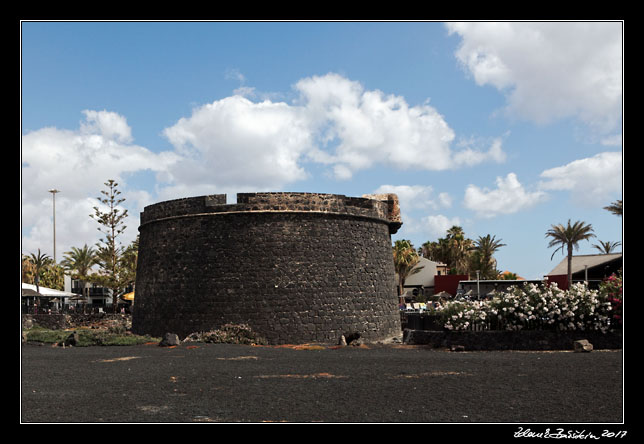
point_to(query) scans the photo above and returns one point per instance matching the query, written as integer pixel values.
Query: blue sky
(502, 128)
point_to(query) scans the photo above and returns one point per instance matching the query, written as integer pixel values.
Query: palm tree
(484, 251)
(28, 270)
(456, 232)
(455, 250)
(436, 251)
(405, 259)
(460, 249)
(606, 247)
(80, 261)
(615, 208)
(426, 250)
(53, 276)
(569, 237)
(128, 261)
(40, 261)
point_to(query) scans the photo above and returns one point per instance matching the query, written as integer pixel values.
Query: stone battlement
(382, 207)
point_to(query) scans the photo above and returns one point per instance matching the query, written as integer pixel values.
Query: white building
(422, 281)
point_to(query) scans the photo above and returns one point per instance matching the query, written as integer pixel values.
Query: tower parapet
(375, 206)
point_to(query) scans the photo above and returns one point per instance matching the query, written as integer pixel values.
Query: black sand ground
(392, 384)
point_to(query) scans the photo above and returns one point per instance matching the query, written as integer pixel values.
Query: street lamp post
(53, 192)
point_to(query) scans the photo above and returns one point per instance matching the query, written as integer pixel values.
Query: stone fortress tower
(294, 267)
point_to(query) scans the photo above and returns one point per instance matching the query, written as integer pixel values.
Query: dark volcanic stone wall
(295, 267)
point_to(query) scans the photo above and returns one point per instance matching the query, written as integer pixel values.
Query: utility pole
(53, 192)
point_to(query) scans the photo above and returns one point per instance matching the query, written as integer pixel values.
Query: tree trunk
(569, 265)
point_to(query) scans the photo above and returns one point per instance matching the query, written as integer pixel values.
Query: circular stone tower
(294, 267)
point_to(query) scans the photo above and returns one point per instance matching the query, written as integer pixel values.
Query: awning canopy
(128, 296)
(30, 292)
(44, 292)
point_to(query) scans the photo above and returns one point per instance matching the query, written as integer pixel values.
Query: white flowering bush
(461, 315)
(530, 307)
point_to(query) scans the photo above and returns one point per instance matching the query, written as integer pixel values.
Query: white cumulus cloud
(591, 180)
(549, 70)
(334, 121)
(234, 142)
(437, 225)
(107, 124)
(78, 163)
(508, 197)
(357, 129)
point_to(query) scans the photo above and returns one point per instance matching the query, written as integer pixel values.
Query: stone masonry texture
(294, 267)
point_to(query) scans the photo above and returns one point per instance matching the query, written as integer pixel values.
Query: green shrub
(87, 338)
(228, 334)
(44, 335)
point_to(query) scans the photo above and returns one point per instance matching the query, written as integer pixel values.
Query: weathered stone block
(169, 340)
(582, 346)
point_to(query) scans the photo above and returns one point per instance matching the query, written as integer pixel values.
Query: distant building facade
(422, 282)
(592, 268)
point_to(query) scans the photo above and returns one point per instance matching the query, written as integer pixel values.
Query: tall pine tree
(109, 249)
